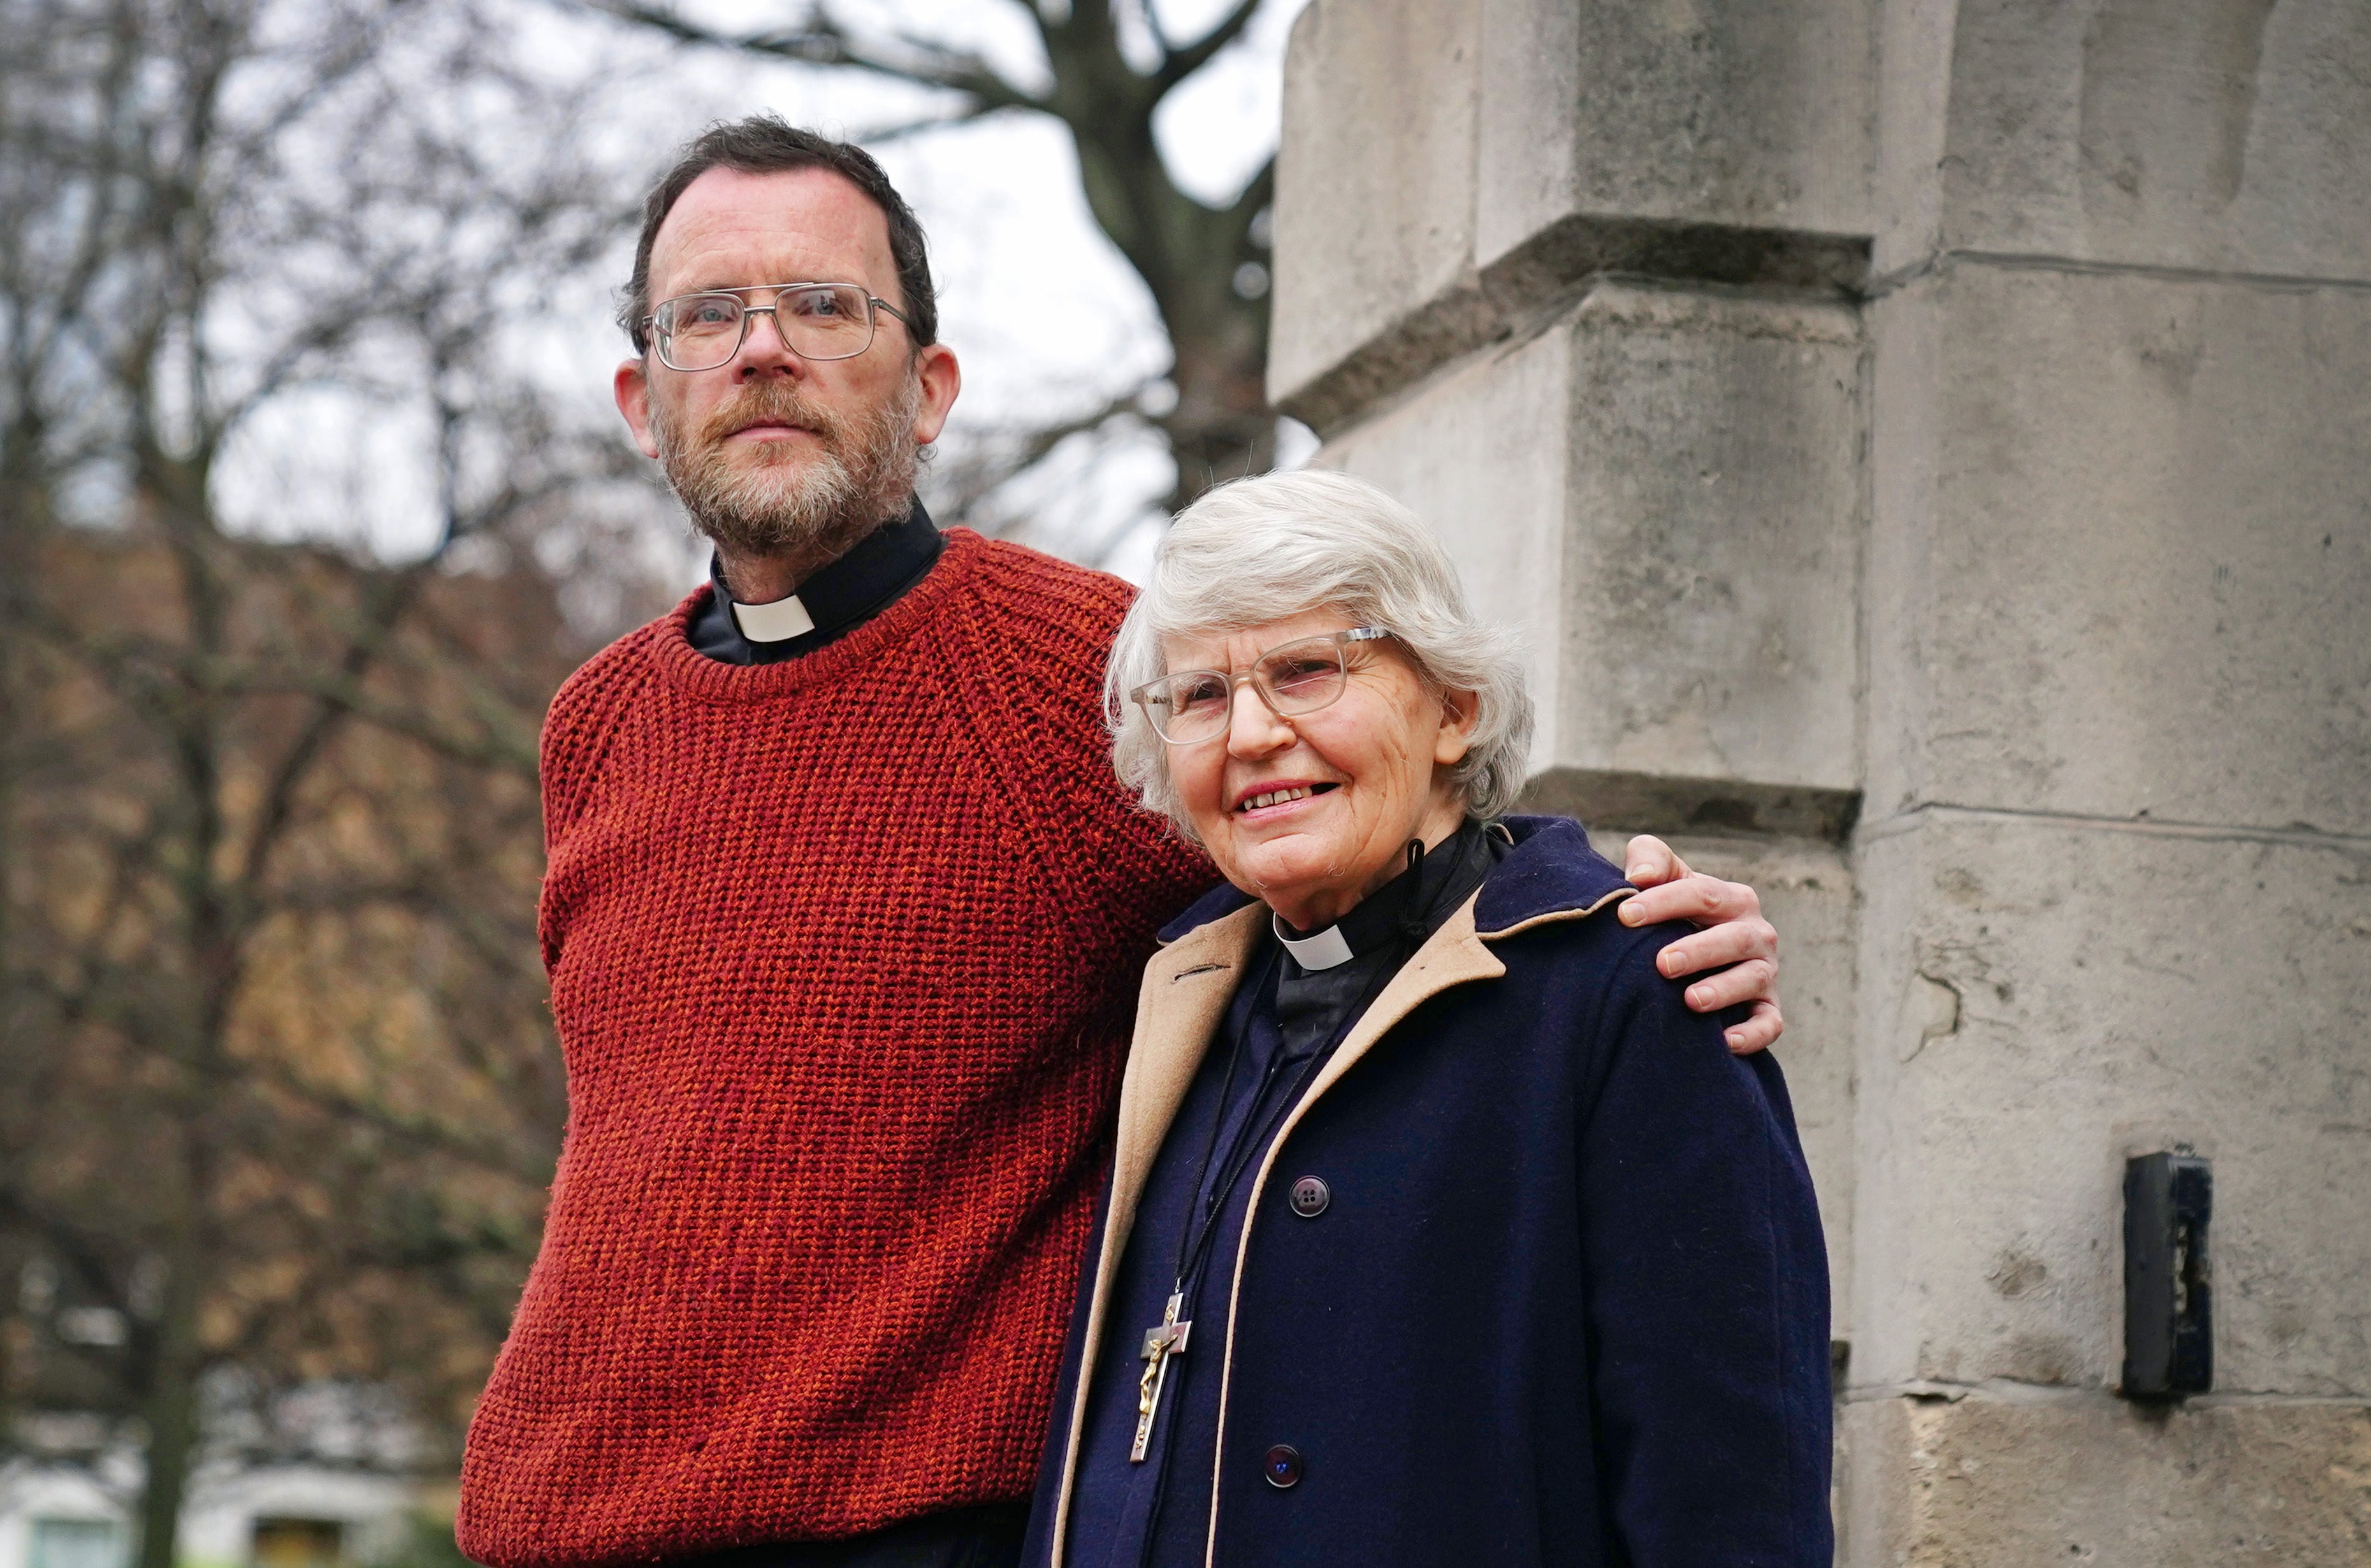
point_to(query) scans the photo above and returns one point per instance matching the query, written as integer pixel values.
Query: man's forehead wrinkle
(734, 257)
(802, 227)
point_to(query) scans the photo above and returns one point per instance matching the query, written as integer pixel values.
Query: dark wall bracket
(2169, 1282)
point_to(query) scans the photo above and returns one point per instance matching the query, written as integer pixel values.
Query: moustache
(772, 402)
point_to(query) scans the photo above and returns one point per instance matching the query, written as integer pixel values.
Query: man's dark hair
(764, 144)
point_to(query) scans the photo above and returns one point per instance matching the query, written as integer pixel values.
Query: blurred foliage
(427, 1542)
(278, 1093)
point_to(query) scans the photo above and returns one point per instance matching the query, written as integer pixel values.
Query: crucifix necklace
(1159, 1344)
(1167, 1338)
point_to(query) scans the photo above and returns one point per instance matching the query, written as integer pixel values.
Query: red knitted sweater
(843, 952)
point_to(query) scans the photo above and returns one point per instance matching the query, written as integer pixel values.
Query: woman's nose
(1254, 730)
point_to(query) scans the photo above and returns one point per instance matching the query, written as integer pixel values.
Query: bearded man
(845, 916)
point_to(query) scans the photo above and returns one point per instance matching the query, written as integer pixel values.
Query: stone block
(1450, 170)
(2041, 1000)
(1713, 546)
(2219, 134)
(1752, 115)
(1374, 202)
(1482, 455)
(2122, 547)
(1663, 490)
(1978, 1483)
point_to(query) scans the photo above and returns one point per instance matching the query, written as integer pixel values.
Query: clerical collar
(1409, 896)
(874, 574)
(1323, 951)
(776, 623)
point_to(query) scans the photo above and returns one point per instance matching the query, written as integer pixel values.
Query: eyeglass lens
(1299, 678)
(700, 332)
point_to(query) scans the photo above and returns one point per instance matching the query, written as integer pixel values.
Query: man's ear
(632, 385)
(1460, 712)
(941, 378)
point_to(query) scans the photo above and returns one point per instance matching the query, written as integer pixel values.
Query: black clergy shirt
(1283, 1022)
(872, 576)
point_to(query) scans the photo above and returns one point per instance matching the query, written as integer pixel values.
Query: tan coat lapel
(1185, 997)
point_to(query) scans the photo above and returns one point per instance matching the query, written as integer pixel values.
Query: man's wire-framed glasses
(815, 320)
(1189, 706)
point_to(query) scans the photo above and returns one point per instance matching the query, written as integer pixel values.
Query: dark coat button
(1281, 1465)
(1309, 1196)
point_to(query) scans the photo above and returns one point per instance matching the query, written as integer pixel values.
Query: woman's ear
(1460, 711)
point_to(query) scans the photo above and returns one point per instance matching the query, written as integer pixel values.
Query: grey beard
(815, 502)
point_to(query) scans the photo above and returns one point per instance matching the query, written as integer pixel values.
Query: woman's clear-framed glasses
(1194, 705)
(815, 320)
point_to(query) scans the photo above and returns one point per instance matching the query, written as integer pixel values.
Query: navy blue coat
(1569, 1301)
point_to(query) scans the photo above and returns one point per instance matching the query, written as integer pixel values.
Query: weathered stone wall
(1928, 445)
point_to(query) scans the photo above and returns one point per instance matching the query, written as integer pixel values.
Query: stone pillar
(1928, 446)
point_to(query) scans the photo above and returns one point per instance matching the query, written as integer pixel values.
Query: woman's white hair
(1278, 545)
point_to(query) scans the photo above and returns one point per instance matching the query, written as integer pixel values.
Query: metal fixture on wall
(2168, 1283)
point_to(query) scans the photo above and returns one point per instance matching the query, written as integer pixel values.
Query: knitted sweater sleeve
(1046, 634)
(578, 729)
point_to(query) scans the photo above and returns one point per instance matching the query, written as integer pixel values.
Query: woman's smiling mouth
(1260, 797)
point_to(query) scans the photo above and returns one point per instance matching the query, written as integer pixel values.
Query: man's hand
(1733, 934)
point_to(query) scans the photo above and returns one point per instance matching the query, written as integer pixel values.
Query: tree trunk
(1223, 427)
(170, 1408)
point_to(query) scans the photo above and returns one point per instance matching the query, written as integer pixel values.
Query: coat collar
(1551, 871)
(1216, 904)
(1187, 988)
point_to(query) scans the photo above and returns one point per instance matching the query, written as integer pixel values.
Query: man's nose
(764, 351)
(1254, 730)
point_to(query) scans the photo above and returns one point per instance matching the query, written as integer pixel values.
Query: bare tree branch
(979, 109)
(345, 694)
(821, 40)
(1008, 454)
(1184, 61)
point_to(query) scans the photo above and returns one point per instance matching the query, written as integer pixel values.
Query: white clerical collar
(1323, 951)
(776, 623)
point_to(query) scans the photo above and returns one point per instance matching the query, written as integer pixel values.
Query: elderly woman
(1440, 1230)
